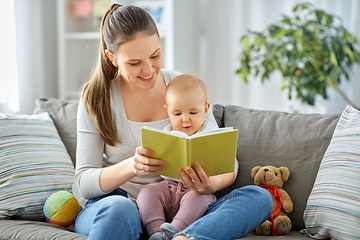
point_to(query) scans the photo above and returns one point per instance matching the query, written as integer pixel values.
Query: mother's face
(140, 60)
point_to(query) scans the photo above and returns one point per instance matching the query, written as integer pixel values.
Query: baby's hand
(199, 183)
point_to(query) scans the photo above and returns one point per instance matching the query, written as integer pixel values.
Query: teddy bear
(272, 179)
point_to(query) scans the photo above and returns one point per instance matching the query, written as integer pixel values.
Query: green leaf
(329, 20)
(333, 59)
(243, 75)
(286, 20)
(296, 7)
(350, 53)
(320, 14)
(245, 42)
(257, 41)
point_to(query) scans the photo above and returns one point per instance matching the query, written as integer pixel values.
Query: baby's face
(186, 111)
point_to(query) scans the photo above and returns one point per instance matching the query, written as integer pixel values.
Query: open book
(215, 150)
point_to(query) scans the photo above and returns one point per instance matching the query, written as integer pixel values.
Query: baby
(169, 200)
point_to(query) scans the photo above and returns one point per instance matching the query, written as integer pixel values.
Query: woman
(125, 93)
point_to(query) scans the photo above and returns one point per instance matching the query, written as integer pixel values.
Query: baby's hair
(186, 82)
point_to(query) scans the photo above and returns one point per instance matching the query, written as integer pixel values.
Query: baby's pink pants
(170, 201)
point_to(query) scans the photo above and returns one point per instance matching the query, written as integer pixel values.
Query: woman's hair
(120, 24)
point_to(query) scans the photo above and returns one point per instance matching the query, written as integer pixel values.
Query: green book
(215, 150)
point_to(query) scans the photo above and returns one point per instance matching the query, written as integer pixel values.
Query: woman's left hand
(199, 182)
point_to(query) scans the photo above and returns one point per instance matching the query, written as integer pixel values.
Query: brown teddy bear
(272, 179)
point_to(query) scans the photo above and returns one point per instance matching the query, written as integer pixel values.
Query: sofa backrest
(63, 113)
(296, 141)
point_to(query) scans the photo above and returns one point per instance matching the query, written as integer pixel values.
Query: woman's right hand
(145, 165)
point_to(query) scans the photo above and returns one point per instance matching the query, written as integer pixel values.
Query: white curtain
(33, 73)
(223, 24)
(8, 66)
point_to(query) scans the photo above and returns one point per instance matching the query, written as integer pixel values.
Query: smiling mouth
(146, 78)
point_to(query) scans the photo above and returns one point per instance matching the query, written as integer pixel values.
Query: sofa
(296, 141)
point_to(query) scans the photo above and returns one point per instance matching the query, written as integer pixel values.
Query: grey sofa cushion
(32, 230)
(63, 113)
(292, 235)
(296, 141)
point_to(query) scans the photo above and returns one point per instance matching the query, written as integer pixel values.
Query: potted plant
(310, 49)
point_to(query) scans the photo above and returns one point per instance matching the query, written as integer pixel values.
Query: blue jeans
(112, 216)
(232, 216)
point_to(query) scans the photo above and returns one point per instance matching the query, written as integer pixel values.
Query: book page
(167, 147)
(212, 131)
(216, 153)
(180, 134)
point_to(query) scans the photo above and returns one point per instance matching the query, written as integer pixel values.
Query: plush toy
(272, 179)
(61, 208)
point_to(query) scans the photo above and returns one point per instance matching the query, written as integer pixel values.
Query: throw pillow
(33, 165)
(333, 207)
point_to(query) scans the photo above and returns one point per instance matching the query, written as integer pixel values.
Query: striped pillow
(333, 207)
(33, 165)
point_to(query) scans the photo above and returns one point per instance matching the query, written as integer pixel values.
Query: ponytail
(96, 92)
